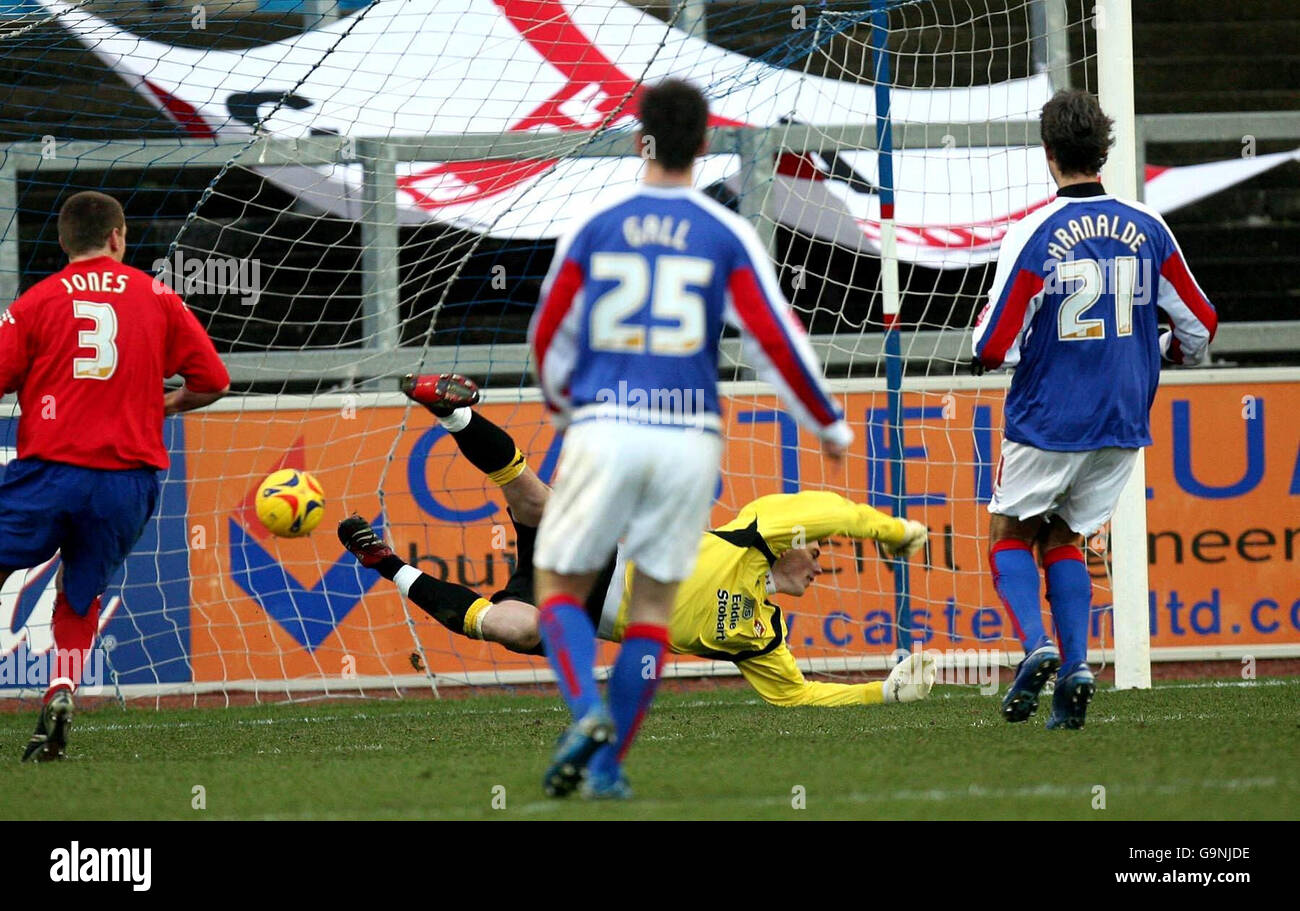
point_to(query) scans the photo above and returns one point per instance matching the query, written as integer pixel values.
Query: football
(290, 503)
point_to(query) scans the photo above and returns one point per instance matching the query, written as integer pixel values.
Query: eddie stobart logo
(731, 610)
(75, 864)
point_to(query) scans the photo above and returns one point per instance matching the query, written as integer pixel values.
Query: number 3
(102, 338)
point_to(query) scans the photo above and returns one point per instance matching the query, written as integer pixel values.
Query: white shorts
(1080, 487)
(650, 485)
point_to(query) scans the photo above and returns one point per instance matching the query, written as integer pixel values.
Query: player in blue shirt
(625, 345)
(1073, 308)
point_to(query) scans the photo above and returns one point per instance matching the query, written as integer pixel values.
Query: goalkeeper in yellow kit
(722, 611)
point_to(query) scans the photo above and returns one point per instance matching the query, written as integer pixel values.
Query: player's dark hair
(1077, 132)
(86, 219)
(674, 114)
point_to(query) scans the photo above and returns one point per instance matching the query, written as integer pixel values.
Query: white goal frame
(1128, 531)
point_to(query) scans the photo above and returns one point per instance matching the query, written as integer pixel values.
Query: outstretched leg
(488, 447)
(508, 617)
(508, 621)
(450, 398)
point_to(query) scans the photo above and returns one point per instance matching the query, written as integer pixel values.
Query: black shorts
(520, 585)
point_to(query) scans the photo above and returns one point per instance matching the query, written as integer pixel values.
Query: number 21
(1071, 326)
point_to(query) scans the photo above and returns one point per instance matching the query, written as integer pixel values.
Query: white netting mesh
(322, 287)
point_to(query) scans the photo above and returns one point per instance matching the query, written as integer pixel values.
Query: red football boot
(441, 393)
(363, 542)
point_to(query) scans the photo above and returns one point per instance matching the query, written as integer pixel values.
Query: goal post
(890, 301)
(1128, 535)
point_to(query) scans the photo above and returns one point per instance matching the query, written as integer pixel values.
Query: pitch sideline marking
(557, 708)
(940, 795)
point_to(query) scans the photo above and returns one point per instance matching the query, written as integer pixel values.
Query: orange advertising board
(1223, 482)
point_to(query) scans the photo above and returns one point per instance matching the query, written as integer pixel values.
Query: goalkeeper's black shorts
(520, 585)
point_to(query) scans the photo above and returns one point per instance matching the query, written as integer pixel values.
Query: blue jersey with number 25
(635, 303)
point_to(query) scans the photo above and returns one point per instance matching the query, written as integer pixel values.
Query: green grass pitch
(1180, 751)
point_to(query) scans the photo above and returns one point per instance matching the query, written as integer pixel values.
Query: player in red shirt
(87, 350)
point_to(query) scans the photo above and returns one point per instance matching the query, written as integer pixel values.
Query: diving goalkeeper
(722, 610)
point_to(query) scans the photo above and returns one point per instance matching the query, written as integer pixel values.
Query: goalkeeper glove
(915, 535)
(911, 679)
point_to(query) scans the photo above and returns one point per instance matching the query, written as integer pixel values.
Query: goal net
(377, 190)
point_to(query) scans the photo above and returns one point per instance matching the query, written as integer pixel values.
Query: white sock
(405, 578)
(458, 420)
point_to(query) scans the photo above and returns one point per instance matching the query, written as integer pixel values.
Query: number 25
(671, 301)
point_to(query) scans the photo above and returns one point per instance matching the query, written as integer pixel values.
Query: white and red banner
(409, 68)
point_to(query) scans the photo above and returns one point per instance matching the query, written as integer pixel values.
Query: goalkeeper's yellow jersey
(723, 611)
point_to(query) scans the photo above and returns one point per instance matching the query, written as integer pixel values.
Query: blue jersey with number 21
(1073, 308)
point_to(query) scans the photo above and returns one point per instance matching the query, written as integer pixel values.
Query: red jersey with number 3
(87, 350)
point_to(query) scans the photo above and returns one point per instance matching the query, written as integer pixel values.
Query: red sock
(73, 637)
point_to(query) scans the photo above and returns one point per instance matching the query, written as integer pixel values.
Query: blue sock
(570, 642)
(605, 762)
(632, 686)
(1015, 576)
(1069, 591)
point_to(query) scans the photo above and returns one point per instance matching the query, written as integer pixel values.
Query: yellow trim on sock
(474, 618)
(873, 693)
(510, 472)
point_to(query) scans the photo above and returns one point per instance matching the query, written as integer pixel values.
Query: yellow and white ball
(290, 503)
